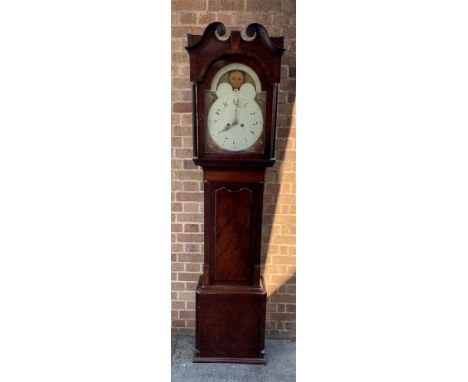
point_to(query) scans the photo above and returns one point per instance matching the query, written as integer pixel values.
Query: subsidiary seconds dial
(235, 121)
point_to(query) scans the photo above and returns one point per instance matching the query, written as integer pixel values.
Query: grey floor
(281, 366)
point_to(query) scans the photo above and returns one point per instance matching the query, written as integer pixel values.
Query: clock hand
(233, 121)
(227, 127)
(235, 111)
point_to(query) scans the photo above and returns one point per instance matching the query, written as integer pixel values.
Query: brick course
(279, 218)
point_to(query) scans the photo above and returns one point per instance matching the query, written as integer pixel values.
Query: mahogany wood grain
(230, 324)
(233, 223)
(234, 174)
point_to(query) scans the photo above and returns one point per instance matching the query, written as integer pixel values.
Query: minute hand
(235, 111)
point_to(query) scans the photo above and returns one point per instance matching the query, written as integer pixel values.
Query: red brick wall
(279, 218)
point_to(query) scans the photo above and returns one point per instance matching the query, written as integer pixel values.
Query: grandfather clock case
(235, 79)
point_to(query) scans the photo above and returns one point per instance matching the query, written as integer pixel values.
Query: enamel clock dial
(235, 121)
(235, 112)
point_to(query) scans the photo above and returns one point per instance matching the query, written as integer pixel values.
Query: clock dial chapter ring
(234, 128)
(235, 121)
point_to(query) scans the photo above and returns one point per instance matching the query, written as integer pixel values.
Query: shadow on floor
(281, 366)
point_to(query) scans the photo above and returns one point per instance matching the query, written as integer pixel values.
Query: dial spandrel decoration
(235, 109)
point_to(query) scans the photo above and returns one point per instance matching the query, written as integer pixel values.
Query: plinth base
(230, 323)
(258, 361)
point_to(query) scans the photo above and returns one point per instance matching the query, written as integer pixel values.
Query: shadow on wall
(278, 234)
(281, 321)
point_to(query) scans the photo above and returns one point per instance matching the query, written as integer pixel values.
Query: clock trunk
(233, 217)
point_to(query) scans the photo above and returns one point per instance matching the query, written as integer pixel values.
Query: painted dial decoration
(235, 121)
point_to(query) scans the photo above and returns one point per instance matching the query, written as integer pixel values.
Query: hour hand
(231, 123)
(227, 127)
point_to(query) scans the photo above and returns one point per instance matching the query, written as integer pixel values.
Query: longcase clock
(235, 86)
